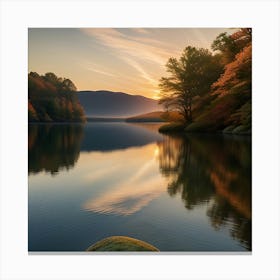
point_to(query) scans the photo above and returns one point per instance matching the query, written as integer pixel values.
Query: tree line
(212, 90)
(51, 98)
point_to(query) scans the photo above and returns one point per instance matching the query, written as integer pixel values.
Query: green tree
(190, 76)
(226, 46)
(229, 46)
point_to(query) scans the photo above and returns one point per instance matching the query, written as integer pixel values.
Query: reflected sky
(179, 193)
(130, 193)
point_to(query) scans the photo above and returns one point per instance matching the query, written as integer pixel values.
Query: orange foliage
(237, 73)
(31, 108)
(242, 37)
(222, 179)
(52, 99)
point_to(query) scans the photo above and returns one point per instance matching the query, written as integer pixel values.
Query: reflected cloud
(133, 191)
(127, 199)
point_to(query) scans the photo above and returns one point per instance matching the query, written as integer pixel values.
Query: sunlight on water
(138, 188)
(179, 193)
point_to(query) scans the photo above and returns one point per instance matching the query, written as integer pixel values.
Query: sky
(130, 60)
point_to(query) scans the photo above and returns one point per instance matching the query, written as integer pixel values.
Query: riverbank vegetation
(53, 99)
(211, 91)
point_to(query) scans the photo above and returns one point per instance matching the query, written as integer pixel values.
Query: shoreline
(171, 131)
(173, 128)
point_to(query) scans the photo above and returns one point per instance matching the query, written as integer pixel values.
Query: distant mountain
(159, 116)
(148, 117)
(103, 103)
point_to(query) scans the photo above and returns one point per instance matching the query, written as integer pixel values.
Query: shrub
(172, 127)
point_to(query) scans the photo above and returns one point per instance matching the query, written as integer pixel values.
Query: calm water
(179, 193)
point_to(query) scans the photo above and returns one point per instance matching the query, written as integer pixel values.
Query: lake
(179, 193)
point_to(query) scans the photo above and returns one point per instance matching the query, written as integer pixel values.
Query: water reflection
(53, 147)
(127, 171)
(214, 170)
(108, 137)
(141, 184)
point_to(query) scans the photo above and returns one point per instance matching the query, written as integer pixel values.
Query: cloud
(101, 72)
(141, 30)
(132, 45)
(96, 69)
(143, 73)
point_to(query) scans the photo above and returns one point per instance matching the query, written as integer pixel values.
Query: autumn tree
(229, 45)
(52, 98)
(191, 75)
(237, 79)
(237, 74)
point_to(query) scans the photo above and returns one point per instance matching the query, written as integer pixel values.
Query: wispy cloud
(132, 45)
(96, 69)
(141, 71)
(141, 30)
(101, 72)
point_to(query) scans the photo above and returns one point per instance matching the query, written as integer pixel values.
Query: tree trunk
(188, 111)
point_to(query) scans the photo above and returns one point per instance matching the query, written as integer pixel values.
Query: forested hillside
(52, 99)
(212, 91)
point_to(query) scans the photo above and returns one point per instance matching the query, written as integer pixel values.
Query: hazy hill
(158, 116)
(115, 104)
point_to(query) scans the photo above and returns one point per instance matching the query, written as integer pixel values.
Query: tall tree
(191, 75)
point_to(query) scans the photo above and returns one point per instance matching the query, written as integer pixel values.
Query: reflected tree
(222, 213)
(186, 173)
(53, 147)
(215, 170)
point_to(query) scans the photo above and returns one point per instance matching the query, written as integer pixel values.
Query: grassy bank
(202, 128)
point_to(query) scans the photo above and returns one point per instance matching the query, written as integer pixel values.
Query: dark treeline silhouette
(212, 91)
(53, 99)
(53, 147)
(214, 170)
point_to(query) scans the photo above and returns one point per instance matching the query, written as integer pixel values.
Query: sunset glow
(130, 60)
